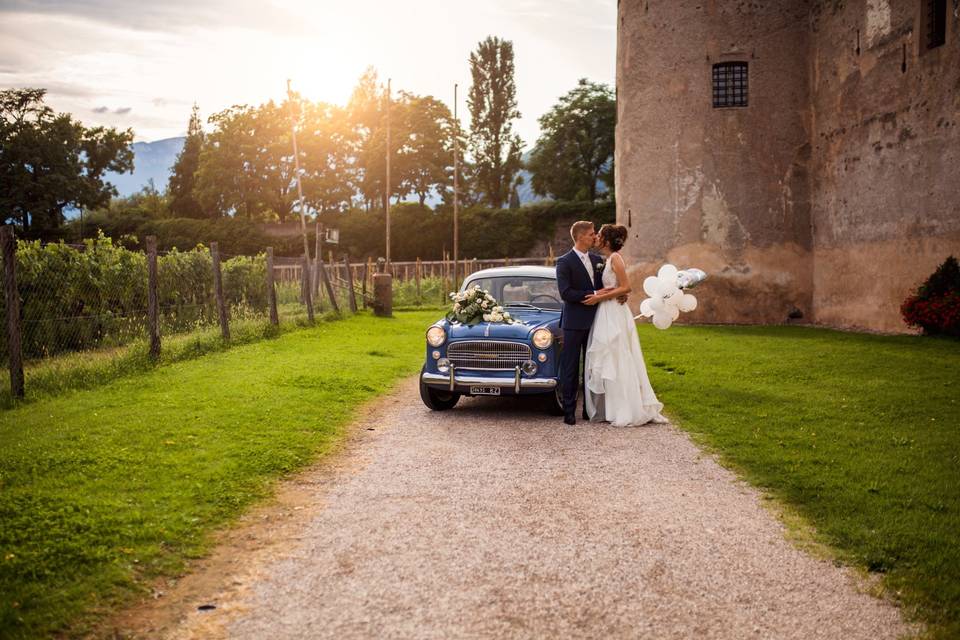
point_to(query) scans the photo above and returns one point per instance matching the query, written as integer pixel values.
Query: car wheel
(437, 400)
(554, 401)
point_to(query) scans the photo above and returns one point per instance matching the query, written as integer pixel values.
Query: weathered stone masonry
(833, 193)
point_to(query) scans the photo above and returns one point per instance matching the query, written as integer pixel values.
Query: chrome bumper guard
(451, 380)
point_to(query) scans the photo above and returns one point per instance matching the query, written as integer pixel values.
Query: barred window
(729, 84)
(935, 23)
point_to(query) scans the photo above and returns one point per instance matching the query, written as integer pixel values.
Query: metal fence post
(14, 347)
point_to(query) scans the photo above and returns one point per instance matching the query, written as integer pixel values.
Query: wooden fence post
(326, 283)
(218, 290)
(363, 282)
(153, 311)
(317, 252)
(353, 294)
(417, 276)
(271, 289)
(14, 347)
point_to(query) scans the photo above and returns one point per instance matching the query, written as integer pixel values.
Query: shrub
(935, 306)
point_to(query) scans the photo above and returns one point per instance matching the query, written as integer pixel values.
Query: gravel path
(494, 520)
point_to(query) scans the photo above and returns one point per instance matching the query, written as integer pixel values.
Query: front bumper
(454, 380)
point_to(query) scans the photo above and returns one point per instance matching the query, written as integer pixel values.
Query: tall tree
(575, 148)
(227, 183)
(326, 140)
(367, 113)
(493, 107)
(180, 189)
(424, 146)
(49, 162)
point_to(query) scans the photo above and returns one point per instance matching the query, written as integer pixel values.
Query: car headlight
(529, 367)
(443, 365)
(436, 336)
(542, 338)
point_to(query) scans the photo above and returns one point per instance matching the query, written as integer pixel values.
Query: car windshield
(521, 290)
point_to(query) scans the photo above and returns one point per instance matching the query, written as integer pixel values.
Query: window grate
(936, 23)
(729, 84)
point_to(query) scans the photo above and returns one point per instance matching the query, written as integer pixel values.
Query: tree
(493, 107)
(367, 113)
(180, 189)
(325, 140)
(246, 166)
(424, 146)
(49, 162)
(575, 148)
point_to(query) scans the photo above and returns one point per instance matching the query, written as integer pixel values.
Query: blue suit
(576, 318)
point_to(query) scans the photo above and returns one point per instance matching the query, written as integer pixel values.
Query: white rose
(498, 309)
(497, 317)
(506, 315)
(486, 317)
(456, 306)
(484, 304)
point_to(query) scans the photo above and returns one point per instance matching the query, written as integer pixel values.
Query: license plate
(484, 391)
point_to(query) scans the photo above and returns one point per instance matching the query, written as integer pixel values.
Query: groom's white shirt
(585, 261)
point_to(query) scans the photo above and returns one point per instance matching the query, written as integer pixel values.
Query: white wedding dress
(618, 390)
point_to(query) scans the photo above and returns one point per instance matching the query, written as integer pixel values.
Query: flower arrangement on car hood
(475, 305)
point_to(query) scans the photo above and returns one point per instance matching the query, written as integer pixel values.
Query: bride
(618, 390)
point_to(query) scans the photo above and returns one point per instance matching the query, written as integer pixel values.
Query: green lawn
(860, 433)
(104, 487)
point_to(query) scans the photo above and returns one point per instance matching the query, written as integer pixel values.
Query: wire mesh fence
(99, 295)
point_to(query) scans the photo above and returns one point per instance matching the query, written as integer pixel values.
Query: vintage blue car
(497, 359)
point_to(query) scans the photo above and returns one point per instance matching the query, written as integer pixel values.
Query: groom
(579, 276)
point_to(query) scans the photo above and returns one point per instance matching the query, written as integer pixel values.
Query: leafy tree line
(242, 165)
(361, 232)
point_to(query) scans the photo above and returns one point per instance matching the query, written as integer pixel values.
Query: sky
(123, 63)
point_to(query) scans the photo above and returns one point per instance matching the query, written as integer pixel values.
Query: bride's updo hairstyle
(613, 236)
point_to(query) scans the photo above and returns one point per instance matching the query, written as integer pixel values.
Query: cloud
(101, 110)
(122, 110)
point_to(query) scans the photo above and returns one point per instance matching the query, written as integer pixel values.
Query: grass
(102, 489)
(860, 434)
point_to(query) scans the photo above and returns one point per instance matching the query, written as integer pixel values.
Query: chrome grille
(488, 355)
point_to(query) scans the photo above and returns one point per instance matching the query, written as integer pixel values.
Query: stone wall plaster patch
(878, 20)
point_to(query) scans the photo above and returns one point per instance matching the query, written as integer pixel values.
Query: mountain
(151, 161)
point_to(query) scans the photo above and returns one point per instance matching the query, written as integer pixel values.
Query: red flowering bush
(935, 307)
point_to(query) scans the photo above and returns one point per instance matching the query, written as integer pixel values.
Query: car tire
(553, 402)
(437, 400)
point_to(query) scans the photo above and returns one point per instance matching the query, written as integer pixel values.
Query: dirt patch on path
(494, 520)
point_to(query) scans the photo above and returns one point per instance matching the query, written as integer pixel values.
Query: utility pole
(387, 188)
(308, 290)
(456, 191)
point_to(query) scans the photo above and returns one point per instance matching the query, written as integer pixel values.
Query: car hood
(526, 321)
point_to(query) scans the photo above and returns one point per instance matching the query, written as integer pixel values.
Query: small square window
(729, 84)
(934, 23)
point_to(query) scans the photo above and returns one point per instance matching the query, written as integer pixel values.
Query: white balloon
(645, 309)
(651, 285)
(675, 312)
(656, 304)
(688, 302)
(662, 320)
(672, 300)
(668, 273)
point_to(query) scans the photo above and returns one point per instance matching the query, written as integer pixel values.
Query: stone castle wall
(768, 199)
